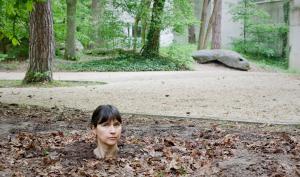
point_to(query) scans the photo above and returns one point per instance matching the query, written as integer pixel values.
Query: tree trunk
(41, 45)
(144, 31)
(203, 24)
(97, 13)
(70, 50)
(210, 24)
(145, 19)
(192, 35)
(152, 45)
(216, 29)
(136, 28)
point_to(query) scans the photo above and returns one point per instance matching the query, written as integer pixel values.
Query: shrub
(260, 36)
(181, 55)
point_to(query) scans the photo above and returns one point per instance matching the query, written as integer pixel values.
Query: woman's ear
(94, 129)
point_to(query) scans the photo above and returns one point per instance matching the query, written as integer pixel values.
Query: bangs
(105, 113)
(109, 118)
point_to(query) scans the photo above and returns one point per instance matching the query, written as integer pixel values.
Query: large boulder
(227, 57)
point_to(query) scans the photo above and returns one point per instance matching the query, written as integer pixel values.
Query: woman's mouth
(112, 138)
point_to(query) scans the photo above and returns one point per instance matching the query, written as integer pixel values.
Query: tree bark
(192, 35)
(210, 24)
(141, 16)
(152, 45)
(144, 31)
(136, 28)
(70, 50)
(41, 44)
(216, 29)
(203, 24)
(144, 20)
(97, 13)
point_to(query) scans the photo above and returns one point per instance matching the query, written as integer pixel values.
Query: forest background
(124, 35)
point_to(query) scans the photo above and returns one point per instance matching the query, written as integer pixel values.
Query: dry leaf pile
(52, 142)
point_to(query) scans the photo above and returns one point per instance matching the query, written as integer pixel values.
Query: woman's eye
(105, 125)
(117, 124)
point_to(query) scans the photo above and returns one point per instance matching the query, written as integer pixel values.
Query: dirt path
(213, 94)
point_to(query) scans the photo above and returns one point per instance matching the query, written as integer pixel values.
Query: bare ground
(39, 141)
(213, 92)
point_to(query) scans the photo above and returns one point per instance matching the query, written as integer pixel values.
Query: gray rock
(227, 57)
(78, 45)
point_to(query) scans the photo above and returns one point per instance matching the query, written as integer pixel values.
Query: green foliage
(83, 22)
(260, 36)
(180, 55)
(59, 9)
(14, 19)
(3, 57)
(34, 77)
(179, 15)
(126, 62)
(111, 31)
(19, 52)
(76, 58)
(274, 63)
(107, 52)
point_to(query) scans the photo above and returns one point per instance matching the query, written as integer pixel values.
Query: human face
(108, 133)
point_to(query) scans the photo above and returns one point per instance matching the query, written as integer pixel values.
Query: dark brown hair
(104, 113)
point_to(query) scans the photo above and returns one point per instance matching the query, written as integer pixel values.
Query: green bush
(181, 55)
(106, 52)
(19, 52)
(260, 36)
(2, 56)
(129, 61)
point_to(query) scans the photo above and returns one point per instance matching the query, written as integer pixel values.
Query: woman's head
(106, 123)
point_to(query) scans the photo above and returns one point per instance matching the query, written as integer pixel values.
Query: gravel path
(223, 94)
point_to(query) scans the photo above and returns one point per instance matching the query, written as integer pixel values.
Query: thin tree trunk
(70, 50)
(210, 24)
(144, 19)
(202, 24)
(136, 28)
(216, 35)
(192, 35)
(144, 31)
(97, 13)
(152, 46)
(41, 44)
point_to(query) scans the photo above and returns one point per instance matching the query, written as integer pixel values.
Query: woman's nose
(112, 129)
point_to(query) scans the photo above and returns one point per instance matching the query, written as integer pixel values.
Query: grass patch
(19, 84)
(277, 64)
(9, 65)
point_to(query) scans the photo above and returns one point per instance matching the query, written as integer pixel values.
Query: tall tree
(210, 24)
(97, 14)
(41, 44)
(192, 28)
(192, 35)
(151, 48)
(203, 24)
(70, 50)
(142, 13)
(216, 27)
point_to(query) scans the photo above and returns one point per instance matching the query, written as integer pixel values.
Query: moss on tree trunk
(152, 45)
(41, 45)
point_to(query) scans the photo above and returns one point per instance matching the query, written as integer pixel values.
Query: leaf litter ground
(37, 141)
